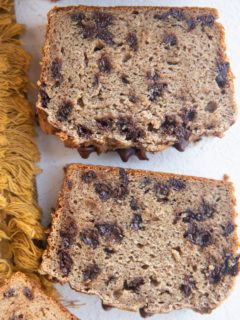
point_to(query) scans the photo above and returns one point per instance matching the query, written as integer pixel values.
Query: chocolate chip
(126, 153)
(89, 237)
(222, 77)
(186, 289)
(134, 205)
(181, 144)
(161, 191)
(169, 124)
(124, 79)
(155, 90)
(28, 293)
(177, 14)
(144, 313)
(109, 251)
(206, 20)
(106, 307)
(56, 69)
(83, 131)
(9, 293)
(77, 17)
(191, 23)
(152, 75)
(198, 236)
(133, 98)
(95, 80)
(44, 98)
(228, 229)
(215, 275)
(127, 127)
(170, 39)
(86, 151)
(123, 176)
(103, 190)
(176, 184)
(65, 262)
(111, 232)
(91, 272)
(136, 222)
(88, 31)
(64, 111)
(102, 19)
(106, 36)
(182, 135)
(132, 40)
(89, 176)
(145, 182)
(110, 279)
(105, 123)
(188, 115)
(68, 233)
(104, 64)
(133, 285)
(205, 211)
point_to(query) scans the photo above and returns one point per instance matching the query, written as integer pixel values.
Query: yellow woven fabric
(20, 227)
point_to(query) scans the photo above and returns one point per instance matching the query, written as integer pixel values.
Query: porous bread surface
(142, 77)
(144, 240)
(20, 298)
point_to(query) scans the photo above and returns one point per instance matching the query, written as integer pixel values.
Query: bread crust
(107, 169)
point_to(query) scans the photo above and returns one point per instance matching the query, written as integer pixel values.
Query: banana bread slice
(20, 298)
(143, 78)
(144, 240)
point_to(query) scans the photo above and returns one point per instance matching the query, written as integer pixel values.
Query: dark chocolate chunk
(102, 19)
(64, 111)
(91, 272)
(161, 191)
(68, 233)
(123, 176)
(206, 20)
(205, 211)
(106, 36)
(124, 79)
(120, 192)
(230, 266)
(127, 127)
(188, 115)
(86, 151)
(198, 236)
(109, 251)
(56, 69)
(78, 17)
(106, 307)
(169, 124)
(152, 75)
(125, 154)
(104, 191)
(105, 123)
(176, 184)
(215, 275)
(155, 90)
(143, 313)
(88, 31)
(132, 40)
(191, 23)
(186, 289)
(170, 39)
(177, 14)
(110, 279)
(83, 131)
(89, 176)
(133, 285)
(28, 293)
(136, 222)
(228, 229)
(134, 204)
(222, 77)
(182, 135)
(44, 98)
(89, 237)
(65, 262)
(104, 64)
(9, 293)
(95, 80)
(110, 231)
(145, 182)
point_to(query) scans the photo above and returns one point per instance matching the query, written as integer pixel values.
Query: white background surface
(211, 157)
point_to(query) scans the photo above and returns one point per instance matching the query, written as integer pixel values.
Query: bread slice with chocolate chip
(134, 78)
(144, 240)
(21, 299)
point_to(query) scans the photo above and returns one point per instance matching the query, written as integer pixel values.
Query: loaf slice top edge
(164, 101)
(21, 298)
(102, 240)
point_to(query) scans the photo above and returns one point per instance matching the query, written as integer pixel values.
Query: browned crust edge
(49, 128)
(75, 166)
(19, 275)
